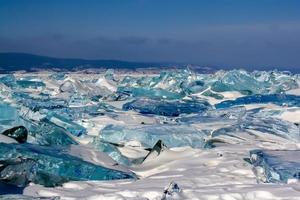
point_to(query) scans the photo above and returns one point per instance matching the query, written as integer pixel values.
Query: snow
(291, 115)
(220, 173)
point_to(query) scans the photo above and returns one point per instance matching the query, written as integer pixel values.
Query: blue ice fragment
(210, 93)
(8, 117)
(195, 86)
(7, 113)
(154, 93)
(180, 82)
(278, 165)
(68, 86)
(112, 151)
(26, 82)
(148, 135)
(227, 115)
(72, 127)
(270, 125)
(47, 134)
(57, 76)
(261, 124)
(239, 80)
(166, 108)
(77, 113)
(279, 99)
(30, 84)
(49, 166)
(42, 102)
(9, 80)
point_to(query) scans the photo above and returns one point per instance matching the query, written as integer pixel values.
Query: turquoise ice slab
(238, 80)
(279, 99)
(258, 121)
(278, 166)
(7, 113)
(47, 134)
(112, 151)
(166, 108)
(58, 76)
(42, 132)
(154, 93)
(270, 125)
(77, 113)
(70, 126)
(186, 82)
(8, 80)
(148, 135)
(30, 84)
(38, 103)
(49, 166)
(8, 117)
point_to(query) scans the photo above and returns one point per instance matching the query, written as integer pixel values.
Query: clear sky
(211, 32)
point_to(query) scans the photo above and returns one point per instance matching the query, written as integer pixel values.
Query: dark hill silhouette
(30, 62)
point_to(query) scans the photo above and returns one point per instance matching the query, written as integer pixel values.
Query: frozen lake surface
(230, 135)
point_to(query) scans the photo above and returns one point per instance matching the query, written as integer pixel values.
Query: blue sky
(211, 32)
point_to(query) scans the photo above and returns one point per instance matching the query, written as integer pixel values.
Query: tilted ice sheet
(49, 166)
(148, 135)
(166, 108)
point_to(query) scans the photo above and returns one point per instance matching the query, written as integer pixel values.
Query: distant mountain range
(29, 62)
(10, 62)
